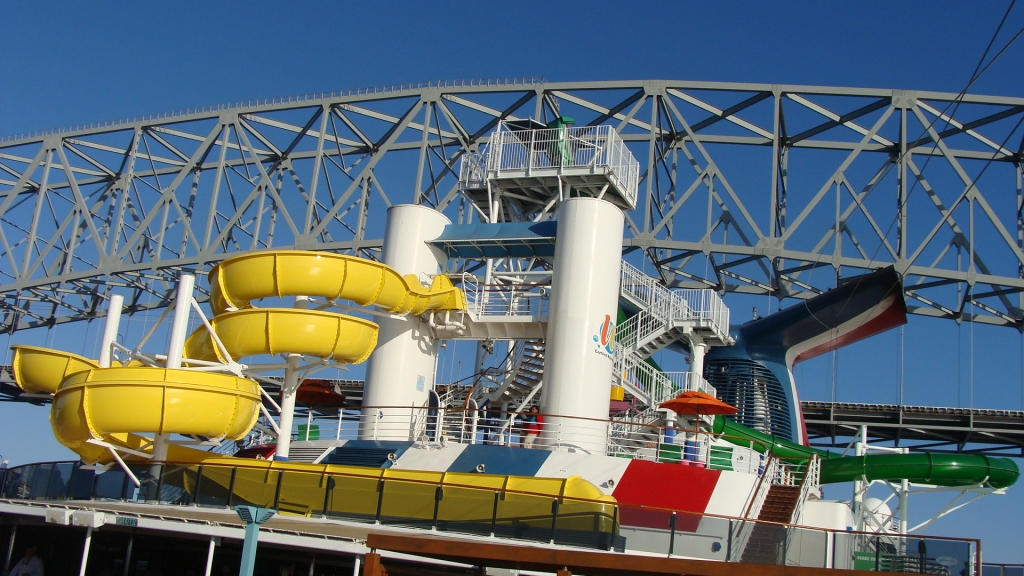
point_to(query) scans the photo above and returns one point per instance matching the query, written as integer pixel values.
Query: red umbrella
(697, 403)
(316, 392)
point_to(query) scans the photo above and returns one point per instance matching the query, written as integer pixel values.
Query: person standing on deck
(533, 422)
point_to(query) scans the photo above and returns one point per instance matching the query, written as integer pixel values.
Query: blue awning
(507, 239)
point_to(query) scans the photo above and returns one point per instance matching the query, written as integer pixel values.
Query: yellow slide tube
(39, 370)
(238, 280)
(285, 331)
(109, 403)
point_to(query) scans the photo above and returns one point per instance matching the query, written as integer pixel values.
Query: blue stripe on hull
(500, 460)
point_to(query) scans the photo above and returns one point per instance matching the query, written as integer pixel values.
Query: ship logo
(605, 338)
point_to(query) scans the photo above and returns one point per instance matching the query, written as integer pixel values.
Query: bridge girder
(747, 188)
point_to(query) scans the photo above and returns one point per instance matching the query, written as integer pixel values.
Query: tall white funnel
(581, 325)
(400, 371)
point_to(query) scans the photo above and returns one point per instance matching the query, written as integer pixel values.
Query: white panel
(731, 494)
(597, 470)
(433, 460)
(583, 312)
(400, 371)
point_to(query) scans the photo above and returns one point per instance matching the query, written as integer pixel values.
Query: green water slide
(924, 468)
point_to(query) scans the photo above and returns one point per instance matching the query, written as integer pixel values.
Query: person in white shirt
(30, 565)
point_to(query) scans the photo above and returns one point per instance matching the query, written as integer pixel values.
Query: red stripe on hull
(673, 486)
(893, 316)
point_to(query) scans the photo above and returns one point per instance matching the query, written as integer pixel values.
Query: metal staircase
(778, 501)
(664, 316)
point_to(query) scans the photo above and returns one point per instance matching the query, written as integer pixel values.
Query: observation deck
(536, 164)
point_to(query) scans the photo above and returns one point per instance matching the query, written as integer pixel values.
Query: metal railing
(473, 170)
(455, 424)
(496, 300)
(673, 305)
(656, 386)
(599, 149)
(375, 498)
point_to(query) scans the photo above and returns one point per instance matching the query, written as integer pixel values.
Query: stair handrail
(772, 471)
(811, 481)
(633, 373)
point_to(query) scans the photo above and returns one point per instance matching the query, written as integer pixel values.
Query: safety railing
(506, 299)
(376, 496)
(673, 305)
(455, 424)
(473, 170)
(656, 386)
(458, 506)
(598, 149)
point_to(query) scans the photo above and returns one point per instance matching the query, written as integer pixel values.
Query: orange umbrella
(697, 403)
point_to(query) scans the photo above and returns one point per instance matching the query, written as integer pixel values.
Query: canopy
(697, 403)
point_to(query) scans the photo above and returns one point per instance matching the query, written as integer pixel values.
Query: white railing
(473, 170)
(506, 299)
(656, 385)
(634, 438)
(811, 483)
(598, 148)
(772, 473)
(673, 305)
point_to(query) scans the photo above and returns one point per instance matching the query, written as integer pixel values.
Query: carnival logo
(605, 338)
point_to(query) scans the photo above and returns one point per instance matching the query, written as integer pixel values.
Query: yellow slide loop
(110, 403)
(239, 280)
(42, 369)
(285, 331)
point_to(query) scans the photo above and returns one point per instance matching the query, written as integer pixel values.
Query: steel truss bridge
(751, 188)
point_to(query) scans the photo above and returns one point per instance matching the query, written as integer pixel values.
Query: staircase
(664, 317)
(782, 491)
(526, 375)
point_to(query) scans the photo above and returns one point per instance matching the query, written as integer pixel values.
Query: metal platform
(936, 429)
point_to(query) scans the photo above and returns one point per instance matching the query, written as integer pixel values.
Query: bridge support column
(400, 372)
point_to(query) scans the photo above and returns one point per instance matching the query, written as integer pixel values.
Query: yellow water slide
(110, 404)
(245, 330)
(114, 405)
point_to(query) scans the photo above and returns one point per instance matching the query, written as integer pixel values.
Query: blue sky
(64, 63)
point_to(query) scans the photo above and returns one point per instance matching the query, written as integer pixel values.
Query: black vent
(353, 456)
(754, 391)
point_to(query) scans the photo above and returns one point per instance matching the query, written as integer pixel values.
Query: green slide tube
(923, 468)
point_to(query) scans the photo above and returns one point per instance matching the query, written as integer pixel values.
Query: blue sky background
(65, 63)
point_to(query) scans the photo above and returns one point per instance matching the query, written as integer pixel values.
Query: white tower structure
(581, 329)
(400, 372)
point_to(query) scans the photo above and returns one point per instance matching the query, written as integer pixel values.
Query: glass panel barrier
(301, 493)
(254, 487)
(466, 510)
(213, 485)
(110, 485)
(525, 517)
(81, 485)
(353, 498)
(175, 484)
(408, 503)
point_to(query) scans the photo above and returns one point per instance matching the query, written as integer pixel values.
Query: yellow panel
(42, 369)
(354, 498)
(408, 500)
(618, 393)
(254, 487)
(302, 493)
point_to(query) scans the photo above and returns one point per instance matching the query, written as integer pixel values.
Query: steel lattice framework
(752, 188)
